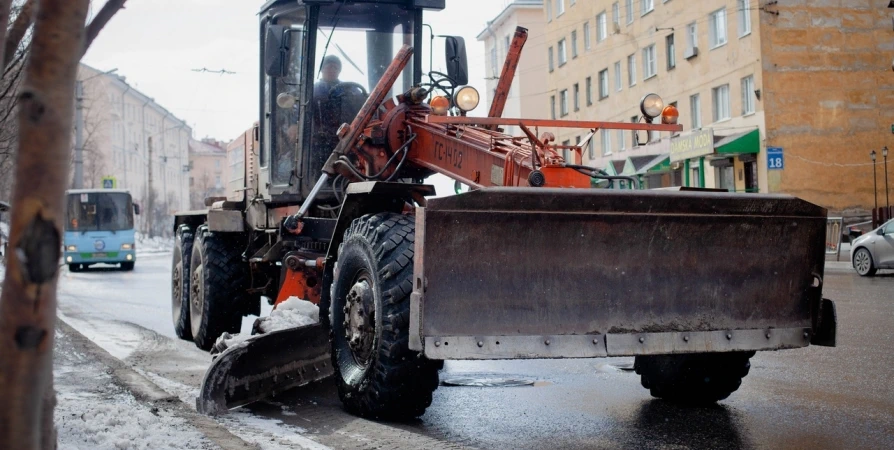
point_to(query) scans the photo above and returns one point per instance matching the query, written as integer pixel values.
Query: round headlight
(651, 106)
(285, 100)
(467, 98)
(439, 105)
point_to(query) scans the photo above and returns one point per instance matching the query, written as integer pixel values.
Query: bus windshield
(99, 211)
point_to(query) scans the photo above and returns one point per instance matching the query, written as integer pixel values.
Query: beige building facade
(125, 134)
(809, 84)
(703, 57)
(527, 94)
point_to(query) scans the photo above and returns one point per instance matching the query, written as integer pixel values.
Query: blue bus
(99, 228)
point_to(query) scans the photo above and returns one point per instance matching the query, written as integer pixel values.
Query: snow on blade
(294, 312)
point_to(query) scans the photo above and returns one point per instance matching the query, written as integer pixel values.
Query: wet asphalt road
(816, 397)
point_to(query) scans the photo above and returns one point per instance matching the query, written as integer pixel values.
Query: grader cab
(328, 203)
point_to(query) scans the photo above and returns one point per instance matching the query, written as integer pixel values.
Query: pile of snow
(119, 421)
(155, 244)
(294, 312)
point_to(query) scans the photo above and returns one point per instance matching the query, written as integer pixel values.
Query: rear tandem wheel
(217, 288)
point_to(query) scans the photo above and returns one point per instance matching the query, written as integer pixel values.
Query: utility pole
(149, 196)
(79, 135)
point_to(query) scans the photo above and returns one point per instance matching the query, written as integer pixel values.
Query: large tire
(697, 379)
(218, 285)
(377, 375)
(180, 276)
(863, 263)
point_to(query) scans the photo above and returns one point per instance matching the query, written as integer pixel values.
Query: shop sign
(693, 145)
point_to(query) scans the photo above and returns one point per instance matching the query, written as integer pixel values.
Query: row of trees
(44, 41)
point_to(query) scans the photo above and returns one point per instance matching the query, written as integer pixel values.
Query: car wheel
(863, 263)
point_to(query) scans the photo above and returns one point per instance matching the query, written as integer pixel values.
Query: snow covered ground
(155, 244)
(95, 412)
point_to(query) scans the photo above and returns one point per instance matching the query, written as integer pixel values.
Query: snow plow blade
(264, 365)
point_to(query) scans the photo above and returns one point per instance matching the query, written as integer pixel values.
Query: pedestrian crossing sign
(109, 183)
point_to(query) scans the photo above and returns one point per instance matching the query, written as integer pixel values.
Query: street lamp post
(874, 181)
(885, 156)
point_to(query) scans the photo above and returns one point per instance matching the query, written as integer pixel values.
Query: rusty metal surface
(557, 123)
(534, 261)
(501, 94)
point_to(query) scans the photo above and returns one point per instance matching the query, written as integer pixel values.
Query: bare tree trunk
(28, 301)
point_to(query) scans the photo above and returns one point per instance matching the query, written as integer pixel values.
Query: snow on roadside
(93, 412)
(156, 244)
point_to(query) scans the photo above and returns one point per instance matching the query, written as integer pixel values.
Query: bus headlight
(68, 259)
(126, 246)
(467, 98)
(651, 106)
(71, 248)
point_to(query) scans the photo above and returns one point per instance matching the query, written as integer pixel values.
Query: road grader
(326, 201)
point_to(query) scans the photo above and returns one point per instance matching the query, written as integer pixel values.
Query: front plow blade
(264, 365)
(555, 273)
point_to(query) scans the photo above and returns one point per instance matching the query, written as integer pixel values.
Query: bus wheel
(74, 267)
(127, 266)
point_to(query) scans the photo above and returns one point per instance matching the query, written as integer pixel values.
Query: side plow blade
(264, 365)
(558, 273)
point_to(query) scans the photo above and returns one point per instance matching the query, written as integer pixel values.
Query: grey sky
(157, 43)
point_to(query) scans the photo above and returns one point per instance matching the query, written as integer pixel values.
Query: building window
(717, 28)
(647, 6)
(744, 18)
(552, 107)
(587, 35)
(566, 153)
(622, 145)
(493, 60)
(606, 141)
(628, 8)
(747, 95)
(549, 11)
(616, 16)
(574, 43)
(601, 30)
(691, 39)
(560, 8)
(631, 69)
(695, 107)
(551, 64)
(591, 147)
(589, 87)
(563, 56)
(618, 76)
(650, 63)
(576, 97)
(563, 102)
(720, 98)
(671, 52)
(635, 138)
(603, 84)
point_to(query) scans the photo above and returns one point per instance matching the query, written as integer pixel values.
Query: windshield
(354, 46)
(99, 211)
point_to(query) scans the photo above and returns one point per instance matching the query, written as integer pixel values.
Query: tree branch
(18, 30)
(100, 20)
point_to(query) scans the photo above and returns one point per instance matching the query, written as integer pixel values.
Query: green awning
(747, 142)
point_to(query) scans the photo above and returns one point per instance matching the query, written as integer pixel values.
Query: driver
(331, 68)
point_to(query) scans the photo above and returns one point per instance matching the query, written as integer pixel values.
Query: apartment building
(806, 83)
(527, 94)
(129, 137)
(207, 162)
